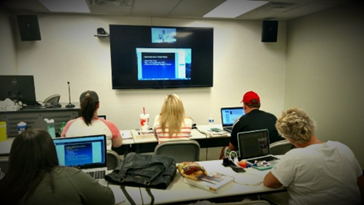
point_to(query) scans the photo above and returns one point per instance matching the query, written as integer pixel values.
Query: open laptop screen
(230, 114)
(81, 152)
(253, 143)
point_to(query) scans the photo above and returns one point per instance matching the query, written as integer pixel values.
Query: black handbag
(149, 171)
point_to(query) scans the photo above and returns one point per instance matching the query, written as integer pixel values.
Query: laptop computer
(87, 153)
(254, 146)
(229, 115)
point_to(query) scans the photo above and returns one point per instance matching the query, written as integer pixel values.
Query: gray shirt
(72, 187)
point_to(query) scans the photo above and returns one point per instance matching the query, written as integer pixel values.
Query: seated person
(172, 123)
(90, 124)
(254, 119)
(34, 176)
(317, 172)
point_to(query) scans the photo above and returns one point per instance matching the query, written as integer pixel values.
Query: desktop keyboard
(97, 174)
(267, 158)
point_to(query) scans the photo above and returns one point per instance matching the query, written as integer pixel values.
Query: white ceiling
(273, 10)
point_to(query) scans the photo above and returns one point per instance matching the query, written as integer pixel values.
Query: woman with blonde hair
(172, 123)
(316, 172)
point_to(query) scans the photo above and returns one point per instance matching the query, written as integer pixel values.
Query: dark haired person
(90, 124)
(317, 172)
(254, 119)
(34, 176)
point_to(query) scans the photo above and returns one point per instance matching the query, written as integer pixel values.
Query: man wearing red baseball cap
(254, 119)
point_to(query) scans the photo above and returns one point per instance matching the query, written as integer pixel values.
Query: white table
(246, 183)
(5, 146)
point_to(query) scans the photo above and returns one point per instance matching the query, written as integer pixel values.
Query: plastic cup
(3, 135)
(144, 121)
(21, 127)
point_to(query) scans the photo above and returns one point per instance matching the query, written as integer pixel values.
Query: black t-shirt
(255, 120)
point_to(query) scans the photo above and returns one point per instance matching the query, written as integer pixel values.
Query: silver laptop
(229, 115)
(254, 146)
(87, 153)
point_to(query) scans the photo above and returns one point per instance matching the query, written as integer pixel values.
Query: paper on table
(125, 134)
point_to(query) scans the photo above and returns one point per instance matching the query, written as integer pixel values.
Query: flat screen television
(18, 88)
(161, 57)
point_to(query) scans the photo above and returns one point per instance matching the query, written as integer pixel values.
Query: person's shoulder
(156, 117)
(108, 122)
(267, 113)
(73, 120)
(61, 171)
(338, 145)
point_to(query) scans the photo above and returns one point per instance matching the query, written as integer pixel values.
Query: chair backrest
(280, 147)
(113, 160)
(180, 150)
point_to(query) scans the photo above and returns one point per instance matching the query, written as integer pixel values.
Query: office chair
(113, 159)
(280, 147)
(180, 150)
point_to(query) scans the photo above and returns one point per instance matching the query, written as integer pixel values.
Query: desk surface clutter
(249, 182)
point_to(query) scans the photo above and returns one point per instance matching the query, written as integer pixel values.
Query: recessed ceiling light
(234, 8)
(76, 6)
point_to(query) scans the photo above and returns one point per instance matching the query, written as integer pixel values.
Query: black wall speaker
(28, 27)
(269, 31)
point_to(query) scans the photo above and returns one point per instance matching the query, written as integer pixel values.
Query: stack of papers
(125, 134)
(219, 133)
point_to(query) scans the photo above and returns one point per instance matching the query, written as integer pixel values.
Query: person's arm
(231, 146)
(271, 181)
(117, 142)
(91, 191)
(360, 182)
(234, 137)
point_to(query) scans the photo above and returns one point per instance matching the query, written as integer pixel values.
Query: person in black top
(254, 119)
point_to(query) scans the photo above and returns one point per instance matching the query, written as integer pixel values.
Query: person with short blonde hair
(296, 125)
(316, 172)
(172, 122)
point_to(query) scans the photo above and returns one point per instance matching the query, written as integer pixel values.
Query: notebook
(254, 146)
(229, 115)
(87, 153)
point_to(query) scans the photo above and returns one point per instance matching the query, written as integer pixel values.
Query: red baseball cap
(249, 96)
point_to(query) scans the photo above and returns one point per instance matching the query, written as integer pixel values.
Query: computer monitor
(18, 88)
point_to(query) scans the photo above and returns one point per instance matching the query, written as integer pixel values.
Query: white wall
(325, 73)
(69, 51)
(8, 61)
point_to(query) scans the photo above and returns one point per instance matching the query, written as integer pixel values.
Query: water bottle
(58, 134)
(211, 121)
(62, 127)
(50, 127)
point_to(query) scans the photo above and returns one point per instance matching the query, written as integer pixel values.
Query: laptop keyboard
(97, 174)
(227, 129)
(268, 158)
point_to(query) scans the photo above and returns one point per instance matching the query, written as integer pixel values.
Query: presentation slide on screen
(231, 115)
(163, 63)
(79, 154)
